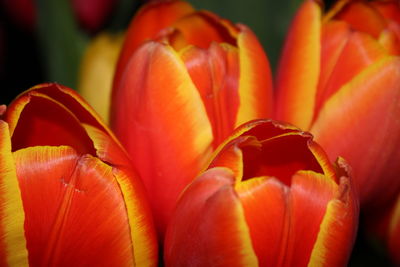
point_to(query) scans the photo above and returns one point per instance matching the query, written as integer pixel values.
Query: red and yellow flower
(68, 193)
(184, 80)
(339, 78)
(270, 197)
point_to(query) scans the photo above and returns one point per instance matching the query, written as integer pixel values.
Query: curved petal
(255, 84)
(146, 24)
(389, 9)
(360, 51)
(390, 40)
(334, 36)
(140, 218)
(215, 73)
(264, 203)
(30, 114)
(202, 29)
(12, 235)
(298, 71)
(156, 92)
(338, 229)
(362, 17)
(75, 213)
(310, 194)
(208, 227)
(365, 112)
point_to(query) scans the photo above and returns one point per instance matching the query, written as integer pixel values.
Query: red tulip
(270, 197)
(69, 196)
(339, 78)
(176, 98)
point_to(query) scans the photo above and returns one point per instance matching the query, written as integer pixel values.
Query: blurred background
(44, 41)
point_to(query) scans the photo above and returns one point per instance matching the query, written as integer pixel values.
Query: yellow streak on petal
(11, 208)
(142, 233)
(249, 256)
(255, 82)
(298, 72)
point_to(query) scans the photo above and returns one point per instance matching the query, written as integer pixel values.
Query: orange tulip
(68, 193)
(270, 197)
(339, 78)
(176, 98)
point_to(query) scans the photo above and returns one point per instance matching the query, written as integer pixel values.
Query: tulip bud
(270, 197)
(69, 196)
(339, 78)
(184, 80)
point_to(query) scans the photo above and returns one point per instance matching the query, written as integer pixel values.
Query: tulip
(96, 71)
(69, 196)
(177, 95)
(339, 78)
(270, 197)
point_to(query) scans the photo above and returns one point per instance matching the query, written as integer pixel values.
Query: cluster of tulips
(205, 158)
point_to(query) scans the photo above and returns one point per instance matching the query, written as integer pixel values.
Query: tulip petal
(143, 236)
(157, 92)
(215, 74)
(310, 194)
(362, 17)
(264, 204)
(75, 214)
(30, 114)
(365, 114)
(146, 24)
(202, 29)
(255, 84)
(389, 9)
(337, 229)
(297, 81)
(334, 37)
(360, 51)
(208, 227)
(12, 236)
(390, 40)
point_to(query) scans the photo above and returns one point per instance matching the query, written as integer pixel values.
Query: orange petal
(389, 39)
(12, 235)
(156, 92)
(364, 113)
(146, 24)
(264, 204)
(334, 36)
(362, 17)
(298, 71)
(31, 124)
(203, 28)
(215, 73)
(389, 9)
(338, 228)
(255, 84)
(360, 51)
(75, 213)
(208, 227)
